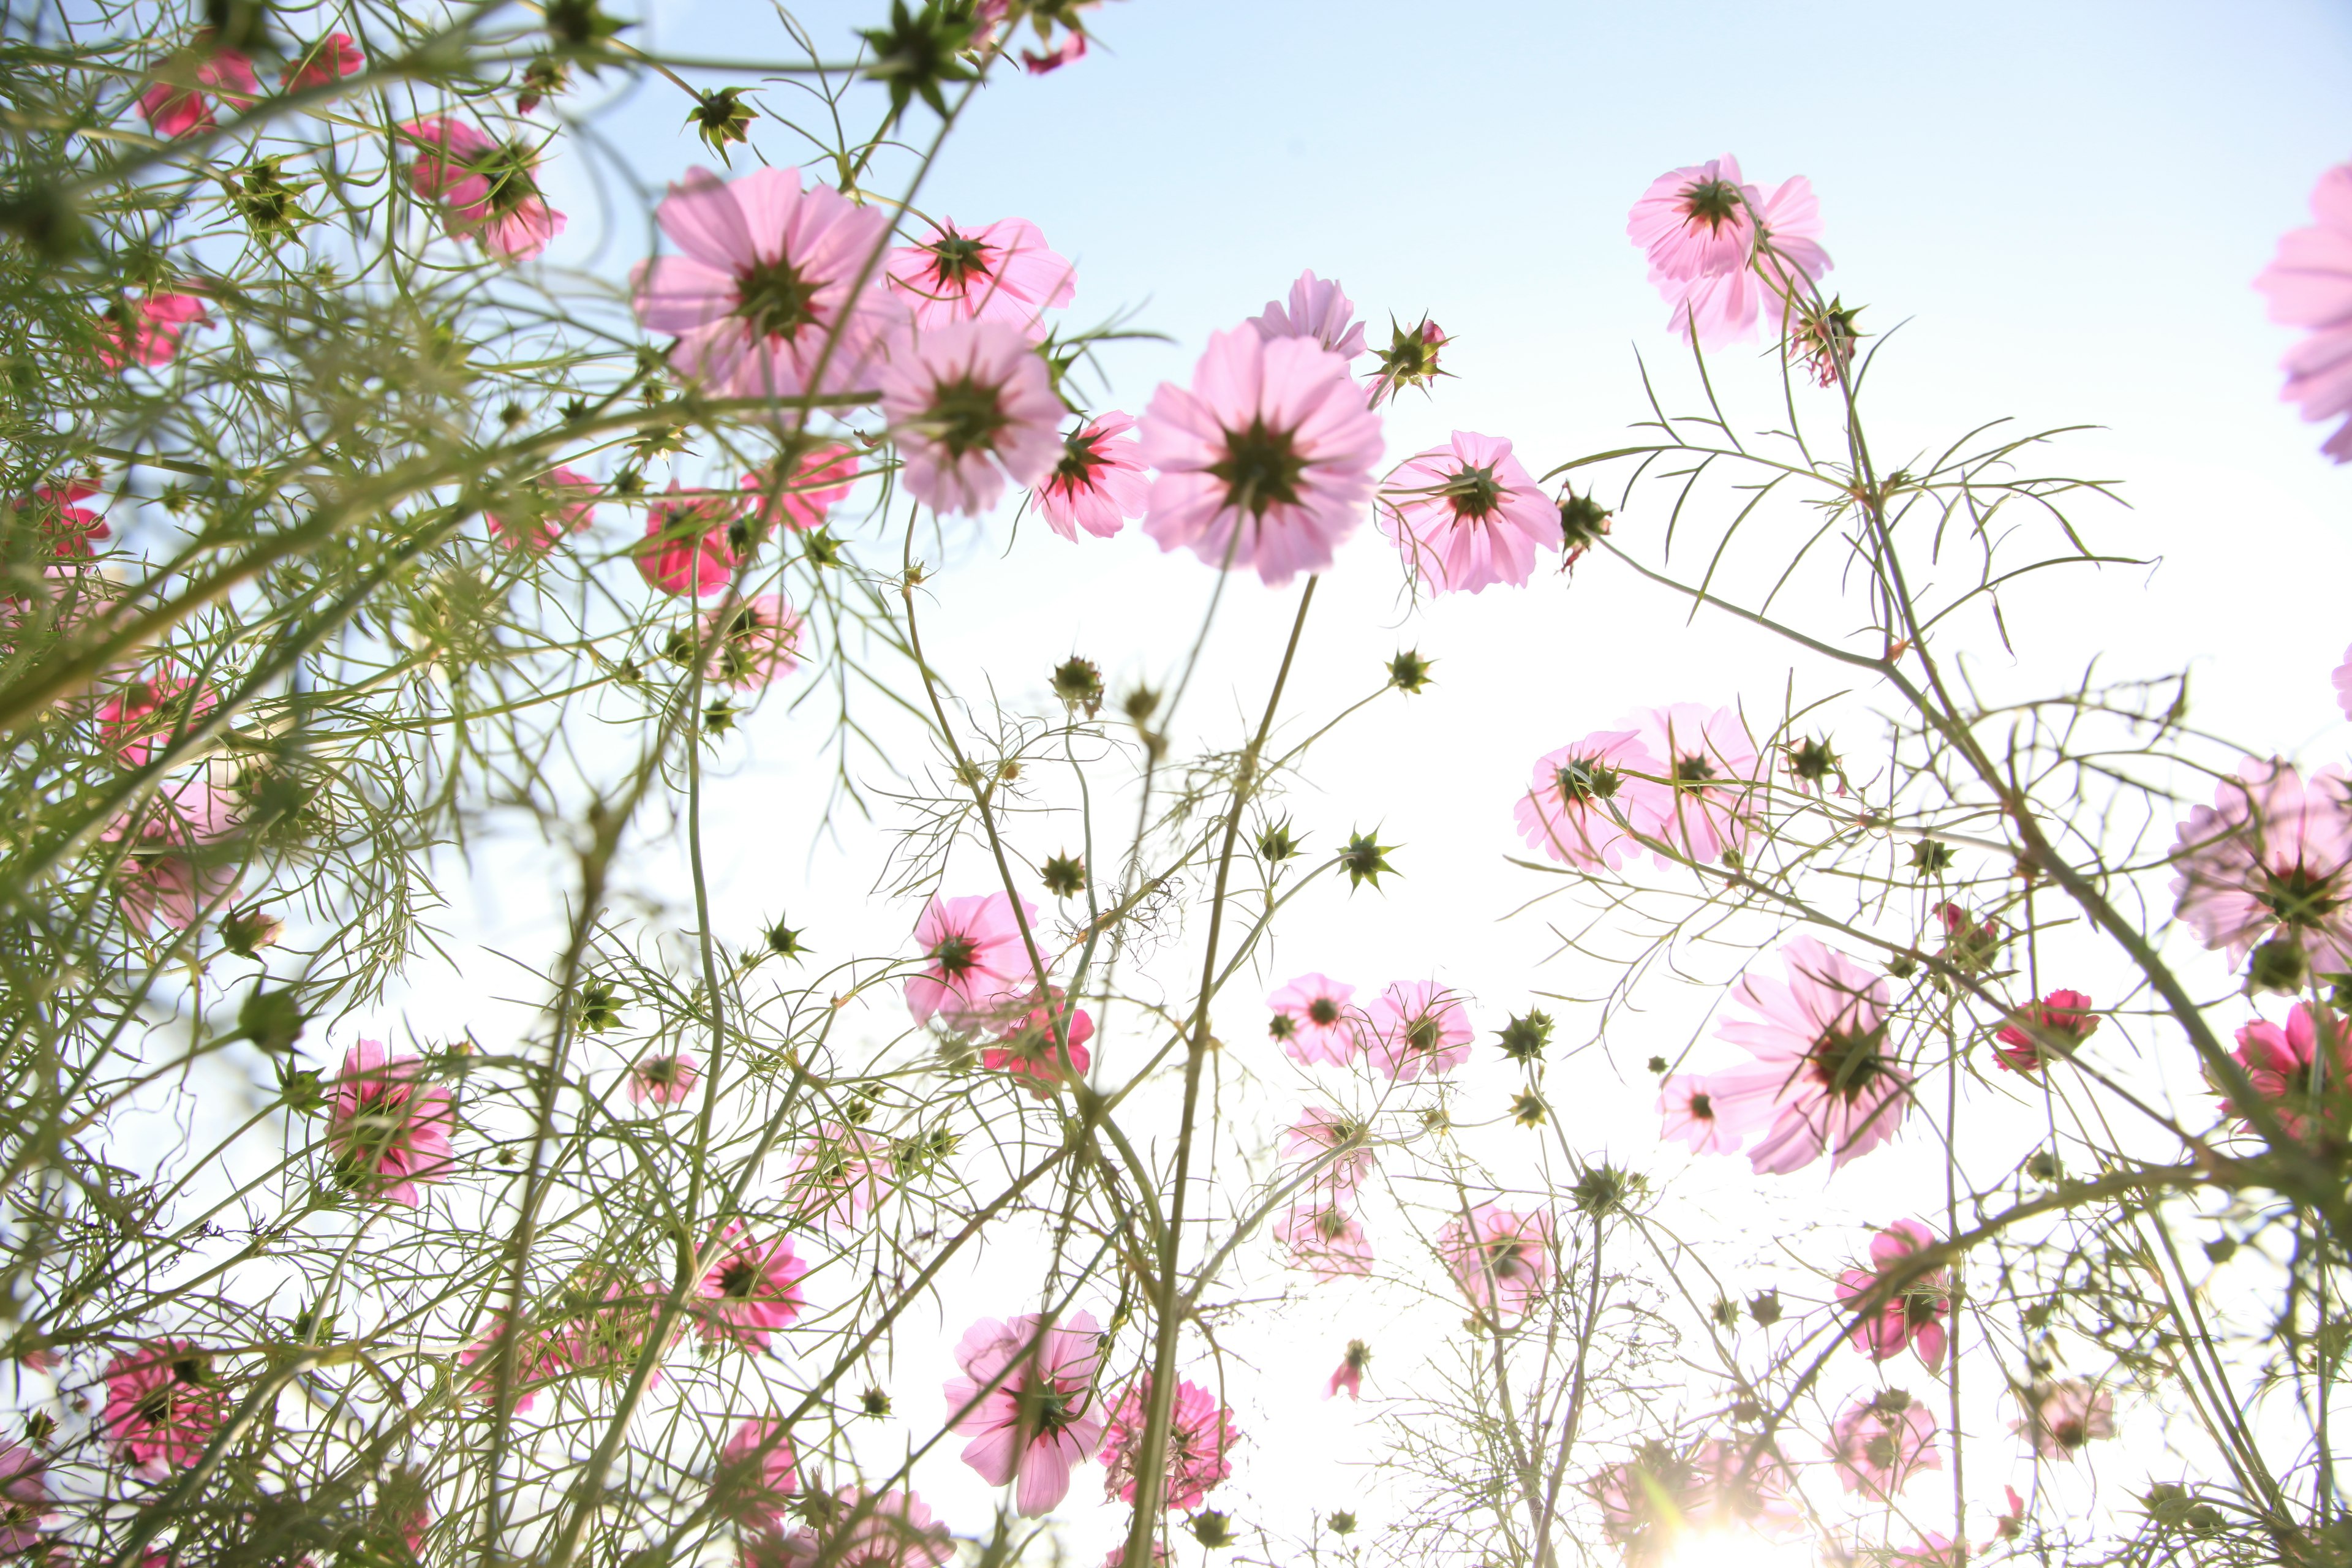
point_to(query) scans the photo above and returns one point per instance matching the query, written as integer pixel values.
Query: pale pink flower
(146, 330)
(1914, 1315)
(539, 1359)
(542, 509)
(756, 1476)
(1041, 1417)
(2292, 1075)
(24, 1485)
(751, 1290)
(663, 1078)
(2063, 1415)
(1350, 1374)
(324, 63)
(689, 544)
(1466, 516)
(178, 107)
(764, 301)
(1710, 767)
(1319, 309)
(1001, 273)
(2011, 1524)
(747, 643)
(139, 715)
(1316, 1133)
(2342, 680)
(1500, 1258)
(821, 482)
(1877, 1445)
(1695, 222)
(2062, 1013)
(388, 1129)
(1315, 1022)
(2309, 284)
(1690, 1111)
(164, 1403)
(1651, 1501)
(1417, 1026)
(974, 957)
(179, 863)
(970, 406)
(855, 1528)
(1325, 1239)
(839, 1173)
(70, 529)
(1201, 1437)
(2270, 858)
(1266, 459)
(1099, 482)
(488, 191)
(1824, 1072)
(1719, 248)
(1027, 1048)
(612, 1336)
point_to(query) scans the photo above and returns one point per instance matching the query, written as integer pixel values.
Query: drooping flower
(1319, 309)
(1652, 1501)
(747, 643)
(1719, 248)
(1071, 50)
(821, 480)
(67, 528)
(1466, 516)
(1914, 1315)
(387, 1128)
(2269, 860)
(1690, 1108)
(1500, 1258)
(164, 1403)
(857, 1529)
(1878, 1444)
(1201, 1437)
(2065, 1013)
(663, 1078)
(756, 1476)
(970, 406)
(25, 1489)
(1582, 799)
(1695, 222)
(2309, 284)
(488, 191)
(751, 1290)
(1350, 1374)
(541, 510)
(180, 857)
(1711, 764)
(1315, 1022)
(1100, 481)
(1265, 460)
(2301, 1083)
(1041, 1416)
(974, 957)
(1027, 1048)
(1317, 1132)
(839, 1173)
(1417, 1026)
(689, 546)
(1325, 1239)
(2062, 1417)
(145, 329)
(1823, 1072)
(324, 63)
(138, 715)
(177, 106)
(1005, 273)
(765, 300)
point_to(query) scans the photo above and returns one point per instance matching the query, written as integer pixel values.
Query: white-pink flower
(1004, 272)
(1500, 1258)
(1583, 798)
(2309, 284)
(1325, 1239)
(1316, 1133)
(970, 406)
(1027, 1401)
(1315, 1022)
(1319, 309)
(663, 1078)
(1721, 250)
(2342, 678)
(1878, 1444)
(2270, 858)
(1467, 515)
(1824, 1074)
(1417, 1028)
(1689, 1110)
(839, 1173)
(1710, 767)
(974, 957)
(2063, 1415)
(1100, 481)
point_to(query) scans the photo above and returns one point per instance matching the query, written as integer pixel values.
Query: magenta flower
(24, 1483)
(324, 63)
(1913, 1316)
(1071, 50)
(138, 714)
(1878, 1444)
(1026, 1047)
(388, 1129)
(1199, 1437)
(1325, 1239)
(543, 510)
(1265, 462)
(974, 957)
(1691, 1110)
(68, 530)
(1500, 1258)
(1100, 481)
(1417, 1026)
(2290, 1073)
(839, 1173)
(488, 191)
(689, 543)
(1710, 767)
(764, 301)
(1315, 1022)
(972, 406)
(1822, 1073)
(751, 1290)
(1350, 1374)
(756, 1476)
(177, 867)
(146, 330)
(1319, 310)
(163, 1406)
(1467, 516)
(1041, 1416)
(2310, 285)
(1648, 1503)
(821, 482)
(750, 642)
(1316, 1133)
(2063, 1415)
(2062, 1013)
(1001, 273)
(663, 1078)
(178, 107)
(857, 1529)
(2269, 860)
(1719, 247)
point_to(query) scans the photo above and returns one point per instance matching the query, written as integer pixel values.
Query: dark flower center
(1043, 1409)
(660, 1072)
(955, 257)
(507, 167)
(1475, 492)
(1583, 783)
(1323, 1011)
(1076, 471)
(965, 416)
(1508, 1260)
(1702, 1107)
(737, 1278)
(1261, 469)
(1693, 772)
(773, 299)
(1421, 1034)
(2299, 898)
(1846, 1062)
(154, 1405)
(2070, 1434)
(955, 956)
(1713, 203)
(1330, 1223)
(1880, 1452)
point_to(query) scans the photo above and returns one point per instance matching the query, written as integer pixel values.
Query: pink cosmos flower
(1500, 1258)
(138, 714)
(1001, 273)
(1651, 1501)
(974, 956)
(2310, 285)
(178, 107)
(1581, 799)
(146, 330)
(751, 1291)
(179, 864)
(607, 1340)
(2342, 680)
(1467, 515)
(2270, 858)
(1315, 1022)
(1100, 481)
(1028, 1050)
(1822, 1071)
(1325, 1239)
(1914, 1315)
(1691, 1110)
(1719, 248)
(2063, 1415)
(857, 1529)
(24, 1485)
(1417, 1026)
(1712, 763)
(1879, 1444)
(1316, 1133)
(70, 529)
(821, 480)
(488, 191)
(2010, 1525)
(1041, 1416)
(690, 545)
(839, 1173)
(1319, 310)
(1695, 222)
(756, 1477)
(2062, 1013)
(545, 510)
(971, 408)
(2300, 1083)
(1350, 1374)
(388, 1129)
(539, 1359)
(1071, 50)
(324, 63)
(764, 301)
(663, 1078)
(750, 642)
(163, 1403)
(1201, 1437)
(1265, 460)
